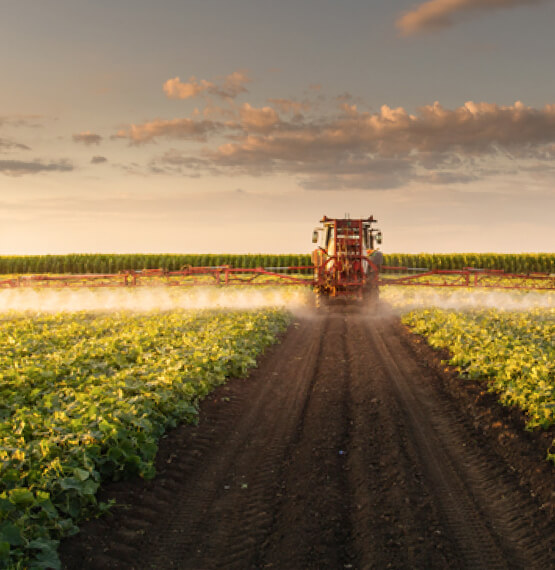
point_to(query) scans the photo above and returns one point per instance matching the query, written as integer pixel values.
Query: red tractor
(346, 263)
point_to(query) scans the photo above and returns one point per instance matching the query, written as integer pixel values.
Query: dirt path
(344, 449)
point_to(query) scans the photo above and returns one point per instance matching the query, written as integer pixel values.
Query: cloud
(20, 168)
(176, 162)
(367, 150)
(98, 159)
(6, 144)
(228, 88)
(362, 173)
(211, 110)
(443, 178)
(473, 128)
(287, 106)
(438, 14)
(172, 128)
(253, 119)
(87, 138)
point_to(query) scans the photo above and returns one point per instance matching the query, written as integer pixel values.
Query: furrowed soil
(350, 446)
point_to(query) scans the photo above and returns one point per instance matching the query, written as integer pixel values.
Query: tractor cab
(343, 267)
(346, 237)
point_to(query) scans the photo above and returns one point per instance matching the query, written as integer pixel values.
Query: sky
(233, 126)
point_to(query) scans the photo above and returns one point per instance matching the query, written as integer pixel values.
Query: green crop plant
(513, 353)
(85, 397)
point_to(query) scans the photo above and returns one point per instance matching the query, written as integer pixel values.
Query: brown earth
(350, 446)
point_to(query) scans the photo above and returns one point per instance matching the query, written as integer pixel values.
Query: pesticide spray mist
(148, 299)
(408, 298)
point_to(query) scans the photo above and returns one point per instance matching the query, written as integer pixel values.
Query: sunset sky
(234, 125)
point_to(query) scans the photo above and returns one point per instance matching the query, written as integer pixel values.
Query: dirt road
(344, 449)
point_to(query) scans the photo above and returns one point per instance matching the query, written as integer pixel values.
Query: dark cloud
(20, 167)
(435, 15)
(6, 144)
(98, 159)
(87, 138)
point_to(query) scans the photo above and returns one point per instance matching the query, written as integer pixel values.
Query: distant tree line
(114, 263)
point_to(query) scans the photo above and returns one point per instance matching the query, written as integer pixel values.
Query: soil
(351, 445)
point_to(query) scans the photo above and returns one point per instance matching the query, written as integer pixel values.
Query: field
(351, 443)
(85, 397)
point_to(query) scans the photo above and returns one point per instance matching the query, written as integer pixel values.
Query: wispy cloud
(228, 88)
(172, 128)
(435, 15)
(87, 138)
(287, 106)
(6, 144)
(20, 167)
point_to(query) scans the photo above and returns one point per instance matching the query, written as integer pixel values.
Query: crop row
(513, 352)
(508, 262)
(84, 398)
(113, 263)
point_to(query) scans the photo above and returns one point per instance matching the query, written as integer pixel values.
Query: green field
(85, 397)
(512, 352)
(504, 339)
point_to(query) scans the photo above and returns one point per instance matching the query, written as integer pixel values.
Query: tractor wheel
(320, 300)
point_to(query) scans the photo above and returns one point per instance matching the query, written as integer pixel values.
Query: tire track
(395, 520)
(480, 512)
(313, 525)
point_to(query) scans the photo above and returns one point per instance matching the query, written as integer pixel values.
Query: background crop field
(112, 263)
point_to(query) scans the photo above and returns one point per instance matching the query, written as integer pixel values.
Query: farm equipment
(346, 266)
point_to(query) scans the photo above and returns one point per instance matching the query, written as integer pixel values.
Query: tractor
(346, 261)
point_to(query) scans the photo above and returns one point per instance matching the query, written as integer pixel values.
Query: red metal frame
(189, 276)
(347, 283)
(470, 277)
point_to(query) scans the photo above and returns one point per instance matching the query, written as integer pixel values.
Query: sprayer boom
(346, 265)
(286, 276)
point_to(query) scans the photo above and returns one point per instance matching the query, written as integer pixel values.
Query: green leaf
(4, 550)
(81, 474)
(6, 506)
(89, 487)
(11, 534)
(48, 555)
(21, 497)
(49, 508)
